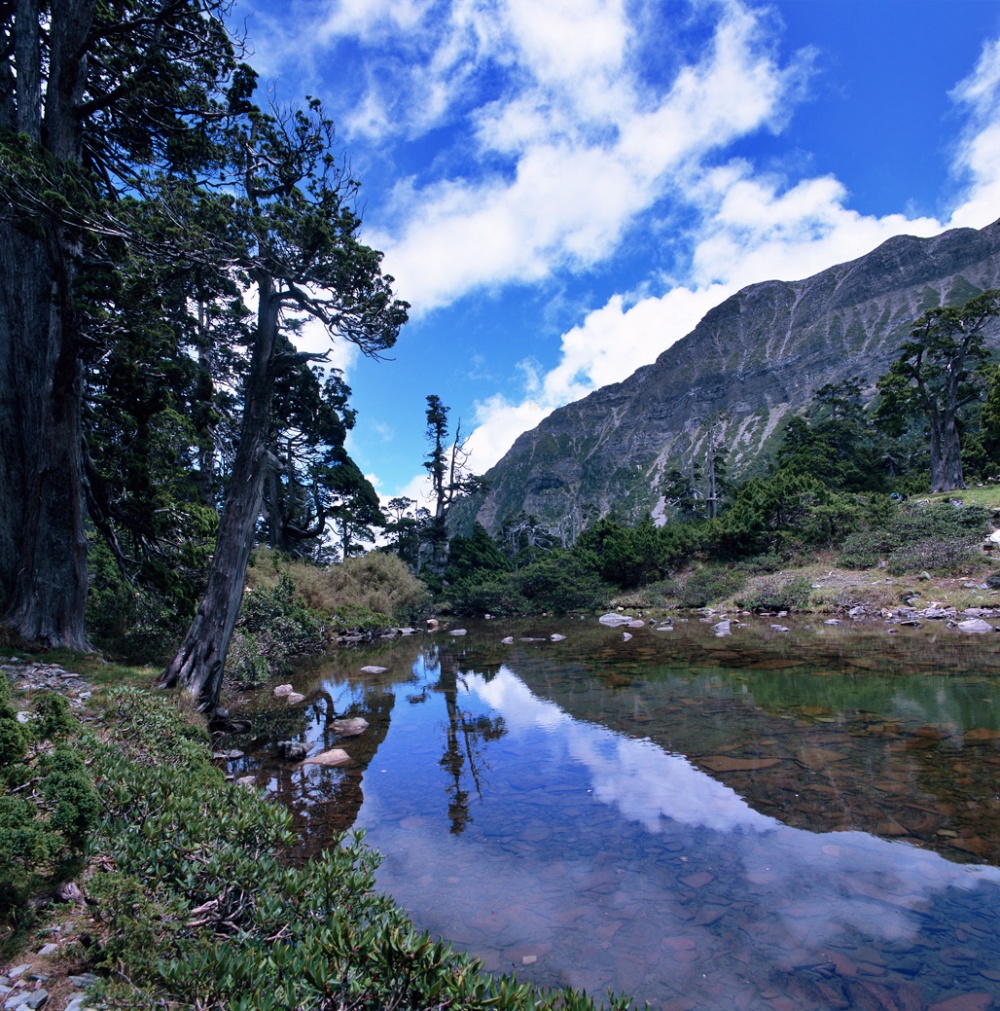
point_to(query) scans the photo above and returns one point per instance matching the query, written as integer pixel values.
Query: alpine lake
(790, 820)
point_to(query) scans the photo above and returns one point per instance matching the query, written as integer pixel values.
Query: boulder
(626, 636)
(556, 637)
(335, 756)
(458, 631)
(352, 727)
(612, 620)
(508, 640)
(294, 698)
(293, 751)
(372, 669)
(976, 625)
(723, 627)
(280, 691)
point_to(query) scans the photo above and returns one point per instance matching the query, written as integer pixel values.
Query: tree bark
(43, 545)
(946, 455)
(200, 662)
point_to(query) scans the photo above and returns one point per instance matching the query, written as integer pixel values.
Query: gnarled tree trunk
(200, 662)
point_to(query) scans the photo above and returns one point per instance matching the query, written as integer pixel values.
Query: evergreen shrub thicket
(911, 538)
(779, 592)
(199, 910)
(47, 803)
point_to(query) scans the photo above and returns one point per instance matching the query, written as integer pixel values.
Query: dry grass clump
(377, 582)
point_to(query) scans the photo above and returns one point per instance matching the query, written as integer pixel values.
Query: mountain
(752, 360)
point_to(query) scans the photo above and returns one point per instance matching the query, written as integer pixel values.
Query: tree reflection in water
(465, 737)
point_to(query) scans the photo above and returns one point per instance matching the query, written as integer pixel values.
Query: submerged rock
(281, 691)
(372, 669)
(335, 756)
(352, 727)
(611, 619)
(294, 751)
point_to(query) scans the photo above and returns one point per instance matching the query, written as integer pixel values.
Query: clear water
(766, 820)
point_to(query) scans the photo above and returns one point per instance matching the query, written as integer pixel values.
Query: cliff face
(751, 360)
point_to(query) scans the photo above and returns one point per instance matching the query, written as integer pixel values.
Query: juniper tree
(937, 375)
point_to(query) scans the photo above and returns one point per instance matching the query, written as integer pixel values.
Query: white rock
(280, 691)
(372, 669)
(556, 637)
(779, 628)
(626, 636)
(974, 625)
(723, 628)
(508, 640)
(336, 756)
(294, 698)
(612, 620)
(458, 631)
(350, 727)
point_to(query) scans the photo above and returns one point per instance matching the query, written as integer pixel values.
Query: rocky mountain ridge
(751, 360)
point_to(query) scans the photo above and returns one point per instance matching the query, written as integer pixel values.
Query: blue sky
(562, 188)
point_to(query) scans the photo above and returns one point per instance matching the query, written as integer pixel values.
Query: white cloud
(587, 147)
(978, 155)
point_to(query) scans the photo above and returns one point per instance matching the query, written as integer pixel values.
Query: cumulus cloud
(978, 157)
(580, 148)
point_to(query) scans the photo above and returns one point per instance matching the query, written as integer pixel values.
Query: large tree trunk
(946, 455)
(200, 662)
(43, 546)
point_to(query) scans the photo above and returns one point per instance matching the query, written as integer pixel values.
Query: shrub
(561, 581)
(709, 585)
(376, 583)
(47, 802)
(776, 593)
(935, 554)
(493, 594)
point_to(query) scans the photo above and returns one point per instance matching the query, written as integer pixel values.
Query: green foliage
(779, 592)
(710, 584)
(476, 554)
(132, 621)
(558, 581)
(625, 556)
(787, 510)
(938, 374)
(201, 911)
(48, 805)
(939, 538)
(489, 594)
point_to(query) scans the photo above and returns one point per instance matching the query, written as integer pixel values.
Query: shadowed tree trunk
(43, 547)
(201, 660)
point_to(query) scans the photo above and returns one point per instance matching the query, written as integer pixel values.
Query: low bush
(378, 583)
(936, 555)
(47, 802)
(273, 627)
(491, 594)
(710, 585)
(779, 592)
(912, 538)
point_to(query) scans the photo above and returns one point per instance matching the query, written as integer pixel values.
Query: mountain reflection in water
(673, 819)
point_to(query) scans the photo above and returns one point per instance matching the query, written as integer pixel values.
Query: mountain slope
(755, 357)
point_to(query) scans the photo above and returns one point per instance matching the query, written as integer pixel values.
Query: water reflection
(660, 819)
